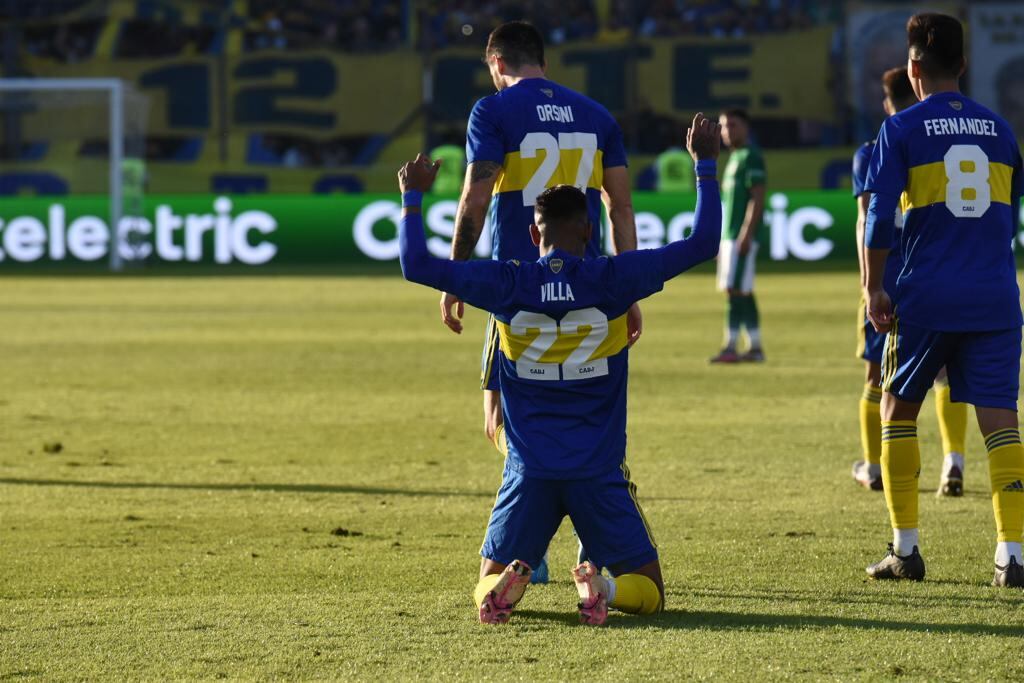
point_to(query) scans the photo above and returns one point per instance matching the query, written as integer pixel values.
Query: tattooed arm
(469, 223)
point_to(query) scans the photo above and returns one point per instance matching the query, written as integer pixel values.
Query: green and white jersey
(744, 171)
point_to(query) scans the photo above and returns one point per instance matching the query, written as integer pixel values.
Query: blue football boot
(540, 574)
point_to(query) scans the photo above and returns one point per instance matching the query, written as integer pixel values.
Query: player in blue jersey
(562, 326)
(959, 170)
(530, 135)
(899, 95)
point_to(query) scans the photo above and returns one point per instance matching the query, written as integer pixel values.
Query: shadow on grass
(736, 621)
(970, 493)
(274, 488)
(909, 600)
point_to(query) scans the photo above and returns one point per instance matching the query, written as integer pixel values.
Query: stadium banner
(997, 44)
(876, 40)
(335, 232)
(324, 95)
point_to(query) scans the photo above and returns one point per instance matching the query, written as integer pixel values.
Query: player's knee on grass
(640, 591)
(637, 594)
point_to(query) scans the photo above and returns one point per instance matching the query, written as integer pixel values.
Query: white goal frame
(114, 87)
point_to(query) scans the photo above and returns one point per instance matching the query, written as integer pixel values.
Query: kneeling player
(563, 332)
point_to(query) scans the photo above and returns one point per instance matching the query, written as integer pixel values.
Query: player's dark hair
(937, 42)
(738, 113)
(561, 204)
(518, 43)
(896, 84)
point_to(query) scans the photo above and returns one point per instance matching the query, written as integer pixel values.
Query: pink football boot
(593, 590)
(497, 606)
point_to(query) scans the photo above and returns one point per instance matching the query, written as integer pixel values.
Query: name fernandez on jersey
(960, 127)
(960, 200)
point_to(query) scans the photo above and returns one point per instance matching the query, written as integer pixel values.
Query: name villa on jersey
(556, 291)
(960, 127)
(553, 112)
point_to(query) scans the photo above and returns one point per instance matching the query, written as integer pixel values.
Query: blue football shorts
(489, 374)
(983, 367)
(604, 511)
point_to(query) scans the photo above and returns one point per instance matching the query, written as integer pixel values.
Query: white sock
(1005, 550)
(904, 540)
(731, 337)
(952, 459)
(754, 335)
(612, 589)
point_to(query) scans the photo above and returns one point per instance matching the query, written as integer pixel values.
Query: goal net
(80, 136)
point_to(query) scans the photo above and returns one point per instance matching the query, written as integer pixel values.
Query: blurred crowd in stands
(70, 31)
(67, 30)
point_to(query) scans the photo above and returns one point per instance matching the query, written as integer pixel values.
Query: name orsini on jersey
(553, 112)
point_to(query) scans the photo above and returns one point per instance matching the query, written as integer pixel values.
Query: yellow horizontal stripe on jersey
(513, 345)
(517, 171)
(926, 184)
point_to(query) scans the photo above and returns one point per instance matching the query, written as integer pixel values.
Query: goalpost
(68, 107)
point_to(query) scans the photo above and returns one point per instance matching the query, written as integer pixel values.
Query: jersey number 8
(552, 147)
(968, 193)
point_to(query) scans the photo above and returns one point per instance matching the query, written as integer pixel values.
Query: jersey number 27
(552, 147)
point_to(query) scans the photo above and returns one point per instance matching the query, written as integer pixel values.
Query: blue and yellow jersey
(561, 322)
(958, 169)
(543, 135)
(861, 164)
(564, 354)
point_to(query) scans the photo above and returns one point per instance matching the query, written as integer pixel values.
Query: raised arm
(702, 244)
(415, 178)
(703, 139)
(643, 272)
(481, 283)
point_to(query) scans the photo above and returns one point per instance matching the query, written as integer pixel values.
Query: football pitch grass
(253, 478)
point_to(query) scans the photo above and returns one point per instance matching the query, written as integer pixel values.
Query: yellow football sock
(901, 468)
(485, 586)
(499, 440)
(952, 420)
(1006, 471)
(636, 594)
(871, 423)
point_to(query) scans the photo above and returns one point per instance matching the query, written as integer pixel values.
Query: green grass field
(287, 478)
